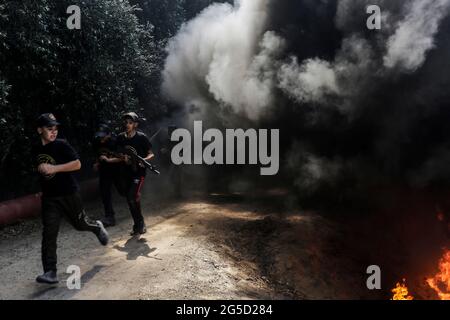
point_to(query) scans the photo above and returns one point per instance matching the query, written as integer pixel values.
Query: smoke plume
(368, 105)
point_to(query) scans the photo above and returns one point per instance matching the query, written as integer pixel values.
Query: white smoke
(319, 81)
(224, 54)
(414, 35)
(228, 56)
(310, 82)
(356, 64)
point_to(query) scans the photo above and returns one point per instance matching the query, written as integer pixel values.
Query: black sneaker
(108, 222)
(102, 236)
(49, 277)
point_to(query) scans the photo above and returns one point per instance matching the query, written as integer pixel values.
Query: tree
(83, 76)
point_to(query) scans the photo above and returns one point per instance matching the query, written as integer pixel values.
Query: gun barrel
(148, 165)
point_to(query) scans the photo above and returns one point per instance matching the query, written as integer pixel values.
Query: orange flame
(401, 292)
(440, 283)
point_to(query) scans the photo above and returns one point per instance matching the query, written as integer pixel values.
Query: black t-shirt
(56, 153)
(140, 145)
(109, 149)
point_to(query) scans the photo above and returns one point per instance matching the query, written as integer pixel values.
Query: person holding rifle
(136, 143)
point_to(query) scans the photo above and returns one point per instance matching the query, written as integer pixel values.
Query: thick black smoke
(356, 107)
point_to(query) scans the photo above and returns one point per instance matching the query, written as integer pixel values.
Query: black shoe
(102, 235)
(49, 277)
(108, 222)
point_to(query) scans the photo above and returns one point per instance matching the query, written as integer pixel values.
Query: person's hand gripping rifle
(130, 156)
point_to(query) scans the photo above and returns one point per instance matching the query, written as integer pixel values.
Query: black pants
(133, 196)
(107, 179)
(52, 210)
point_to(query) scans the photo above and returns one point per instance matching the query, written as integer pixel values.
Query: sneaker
(49, 277)
(108, 222)
(138, 231)
(102, 236)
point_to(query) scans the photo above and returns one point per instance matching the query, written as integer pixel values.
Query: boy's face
(48, 134)
(130, 125)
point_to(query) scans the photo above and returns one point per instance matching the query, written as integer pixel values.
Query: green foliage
(7, 120)
(165, 15)
(83, 76)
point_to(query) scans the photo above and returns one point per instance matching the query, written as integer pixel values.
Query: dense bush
(83, 76)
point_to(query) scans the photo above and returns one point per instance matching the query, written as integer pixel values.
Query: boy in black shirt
(138, 143)
(109, 169)
(56, 160)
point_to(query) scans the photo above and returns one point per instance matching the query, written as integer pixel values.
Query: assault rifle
(138, 160)
(135, 159)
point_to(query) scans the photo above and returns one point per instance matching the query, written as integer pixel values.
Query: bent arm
(68, 167)
(114, 160)
(150, 156)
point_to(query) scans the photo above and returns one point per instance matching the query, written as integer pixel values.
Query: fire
(440, 283)
(401, 292)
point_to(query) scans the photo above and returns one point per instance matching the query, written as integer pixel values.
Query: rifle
(138, 159)
(135, 158)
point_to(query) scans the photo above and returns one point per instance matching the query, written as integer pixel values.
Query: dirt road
(210, 247)
(175, 260)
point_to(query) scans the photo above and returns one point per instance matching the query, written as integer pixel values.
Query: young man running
(138, 143)
(56, 161)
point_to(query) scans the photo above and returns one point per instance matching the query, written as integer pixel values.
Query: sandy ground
(204, 248)
(175, 260)
(216, 246)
